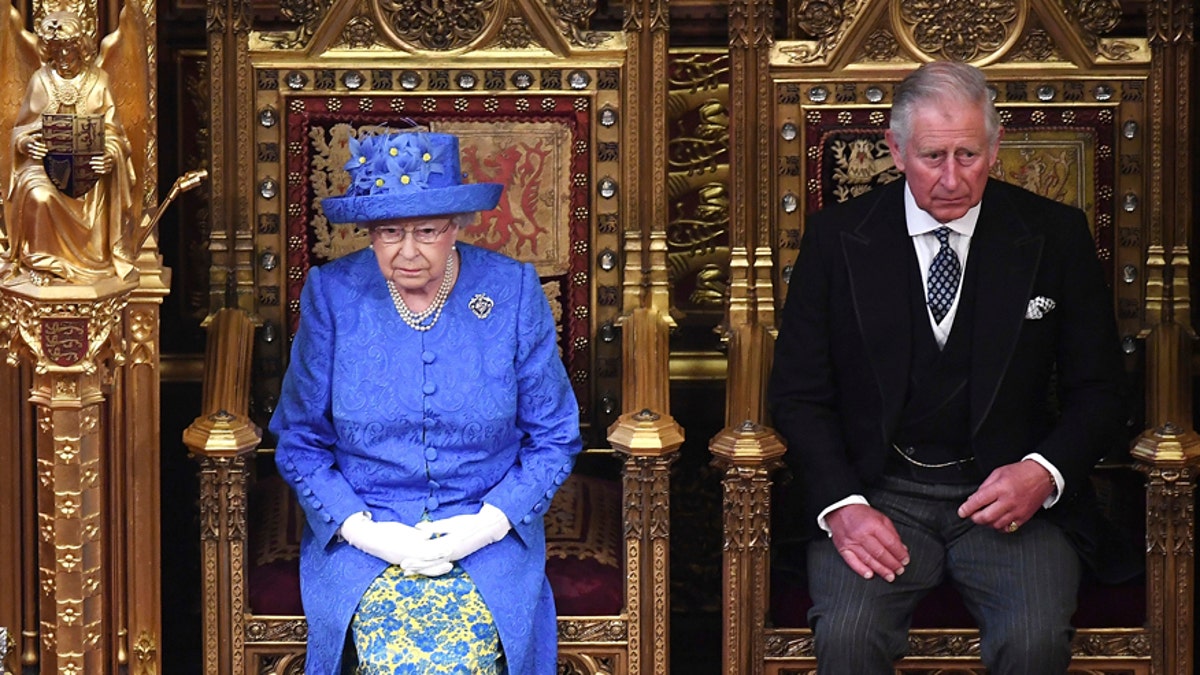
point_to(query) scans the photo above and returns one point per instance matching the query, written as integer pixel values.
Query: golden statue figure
(75, 209)
(70, 199)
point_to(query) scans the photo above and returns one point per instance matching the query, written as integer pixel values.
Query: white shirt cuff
(1054, 473)
(852, 499)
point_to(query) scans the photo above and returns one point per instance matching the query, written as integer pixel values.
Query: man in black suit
(928, 326)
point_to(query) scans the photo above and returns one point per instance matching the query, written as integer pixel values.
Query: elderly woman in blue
(426, 421)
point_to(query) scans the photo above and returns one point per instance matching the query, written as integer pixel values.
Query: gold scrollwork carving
(222, 476)
(747, 514)
(144, 651)
(574, 17)
(49, 329)
(514, 34)
(820, 18)
(281, 664)
(798, 644)
(275, 630)
(306, 13)
(435, 26)
(944, 644)
(1036, 45)
(1105, 644)
(881, 45)
(960, 30)
(359, 33)
(143, 328)
(593, 630)
(585, 664)
(1096, 16)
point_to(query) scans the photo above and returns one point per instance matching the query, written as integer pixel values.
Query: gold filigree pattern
(22, 318)
(959, 30)
(1096, 16)
(359, 33)
(435, 26)
(1036, 45)
(281, 664)
(573, 18)
(277, 630)
(145, 648)
(307, 13)
(820, 18)
(698, 180)
(593, 630)
(819, 13)
(881, 45)
(514, 34)
(586, 664)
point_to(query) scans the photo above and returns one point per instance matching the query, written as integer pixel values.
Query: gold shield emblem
(65, 339)
(72, 141)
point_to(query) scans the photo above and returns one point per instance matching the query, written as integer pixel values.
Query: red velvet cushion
(583, 547)
(273, 530)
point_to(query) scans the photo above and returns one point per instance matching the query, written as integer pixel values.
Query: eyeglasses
(422, 234)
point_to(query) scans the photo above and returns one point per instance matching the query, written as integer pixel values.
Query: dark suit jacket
(844, 350)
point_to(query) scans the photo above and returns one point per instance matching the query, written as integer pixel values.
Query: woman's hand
(396, 543)
(465, 534)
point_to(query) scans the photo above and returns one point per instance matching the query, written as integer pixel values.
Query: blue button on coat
(354, 420)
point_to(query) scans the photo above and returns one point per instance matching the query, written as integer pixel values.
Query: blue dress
(376, 416)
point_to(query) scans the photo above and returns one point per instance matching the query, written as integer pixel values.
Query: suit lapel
(1006, 254)
(878, 254)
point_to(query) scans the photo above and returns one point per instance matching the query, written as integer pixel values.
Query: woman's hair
(940, 82)
(63, 26)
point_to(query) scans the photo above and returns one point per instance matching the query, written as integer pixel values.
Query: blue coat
(376, 416)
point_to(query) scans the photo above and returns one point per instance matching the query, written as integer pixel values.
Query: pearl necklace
(416, 320)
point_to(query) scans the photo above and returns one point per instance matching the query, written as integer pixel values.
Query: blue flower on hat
(395, 175)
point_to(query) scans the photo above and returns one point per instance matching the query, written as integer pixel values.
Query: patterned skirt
(425, 625)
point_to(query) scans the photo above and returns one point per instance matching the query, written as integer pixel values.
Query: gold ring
(1012, 527)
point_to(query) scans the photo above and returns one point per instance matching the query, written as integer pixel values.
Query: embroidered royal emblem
(481, 305)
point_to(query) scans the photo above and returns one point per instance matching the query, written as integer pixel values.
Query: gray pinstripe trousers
(1021, 588)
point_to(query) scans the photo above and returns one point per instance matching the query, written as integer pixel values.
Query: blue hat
(406, 174)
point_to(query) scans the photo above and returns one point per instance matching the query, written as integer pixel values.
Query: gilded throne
(541, 105)
(1084, 126)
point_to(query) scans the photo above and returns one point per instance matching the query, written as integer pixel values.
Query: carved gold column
(650, 442)
(72, 335)
(231, 244)
(745, 449)
(16, 518)
(645, 164)
(748, 454)
(751, 292)
(137, 472)
(1169, 451)
(221, 440)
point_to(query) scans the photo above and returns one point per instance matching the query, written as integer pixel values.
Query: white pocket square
(1038, 307)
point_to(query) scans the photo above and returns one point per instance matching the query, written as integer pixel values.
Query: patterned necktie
(944, 272)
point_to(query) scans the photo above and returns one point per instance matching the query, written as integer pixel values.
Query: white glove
(463, 535)
(395, 543)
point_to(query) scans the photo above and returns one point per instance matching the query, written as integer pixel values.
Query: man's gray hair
(939, 82)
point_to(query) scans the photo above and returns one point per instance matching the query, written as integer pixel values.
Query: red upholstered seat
(583, 548)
